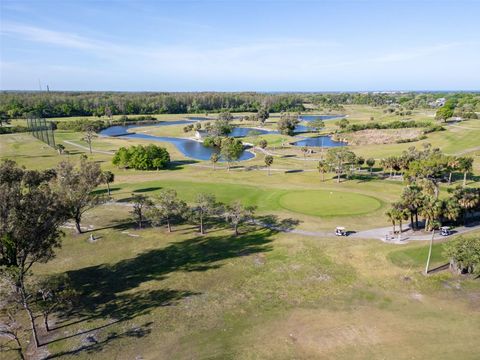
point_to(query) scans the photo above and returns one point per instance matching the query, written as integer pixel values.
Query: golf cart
(340, 231)
(445, 231)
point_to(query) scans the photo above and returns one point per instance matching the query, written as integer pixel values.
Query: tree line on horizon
(64, 104)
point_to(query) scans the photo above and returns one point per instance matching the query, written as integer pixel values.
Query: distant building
(438, 103)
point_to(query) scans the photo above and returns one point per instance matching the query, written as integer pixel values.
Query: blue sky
(240, 45)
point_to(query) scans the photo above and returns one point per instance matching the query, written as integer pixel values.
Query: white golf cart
(340, 231)
(445, 231)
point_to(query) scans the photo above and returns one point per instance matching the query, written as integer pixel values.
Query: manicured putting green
(328, 203)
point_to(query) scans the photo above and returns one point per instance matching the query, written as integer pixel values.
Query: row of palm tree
(419, 201)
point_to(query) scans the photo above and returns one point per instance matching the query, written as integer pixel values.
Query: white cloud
(58, 38)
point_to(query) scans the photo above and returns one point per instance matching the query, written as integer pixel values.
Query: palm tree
(214, 159)
(434, 224)
(323, 168)
(431, 211)
(465, 165)
(370, 162)
(392, 215)
(108, 177)
(452, 165)
(304, 151)
(268, 162)
(468, 199)
(451, 209)
(413, 199)
(402, 214)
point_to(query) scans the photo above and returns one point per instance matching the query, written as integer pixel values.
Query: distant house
(440, 102)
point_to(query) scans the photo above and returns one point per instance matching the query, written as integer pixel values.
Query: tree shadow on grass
(90, 345)
(180, 164)
(275, 223)
(147, 189)
(109, 292)
(361, 178)
(104, 191)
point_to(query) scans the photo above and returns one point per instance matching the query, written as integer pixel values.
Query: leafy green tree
(343, 123)
(230, 150)
(464, 254)
(220, 127)
(236, 214)
(360, 161)
(31, 214)
(339, 160)
(140, 204)
(263, 144)
(121, 158)
(429, 170)
(167, 208)
(205, 206)
(268, 162)
(444, 113)
(60, 148)
(54, 294)
(75, 187)
(287, 123)
(225, 116)
(150, 157)
(316, 125)
(262, 115)
(89, 136)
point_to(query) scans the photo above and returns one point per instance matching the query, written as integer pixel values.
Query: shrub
(81, 125)
(397, 124)
(12, 129)
(150, 157)
(464, 254)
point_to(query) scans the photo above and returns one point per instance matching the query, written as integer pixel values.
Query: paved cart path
(375, 233)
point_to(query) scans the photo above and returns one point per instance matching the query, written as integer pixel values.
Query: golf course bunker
(326, 203)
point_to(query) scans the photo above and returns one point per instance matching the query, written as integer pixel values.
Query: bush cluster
(12, 129)
(81, 125)
(393, 125)
(150, 157)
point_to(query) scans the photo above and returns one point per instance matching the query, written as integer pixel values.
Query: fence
(42, 130)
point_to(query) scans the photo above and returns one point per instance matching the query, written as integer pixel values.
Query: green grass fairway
(328, 203)
(417, 256)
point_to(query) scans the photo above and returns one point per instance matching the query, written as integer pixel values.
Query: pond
(245, 131)
(316, 117)
(319, 141)
(190, 148)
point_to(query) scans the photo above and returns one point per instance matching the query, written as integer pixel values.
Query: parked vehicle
(445, 231)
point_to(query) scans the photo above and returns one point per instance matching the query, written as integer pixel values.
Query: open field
(149, 294)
